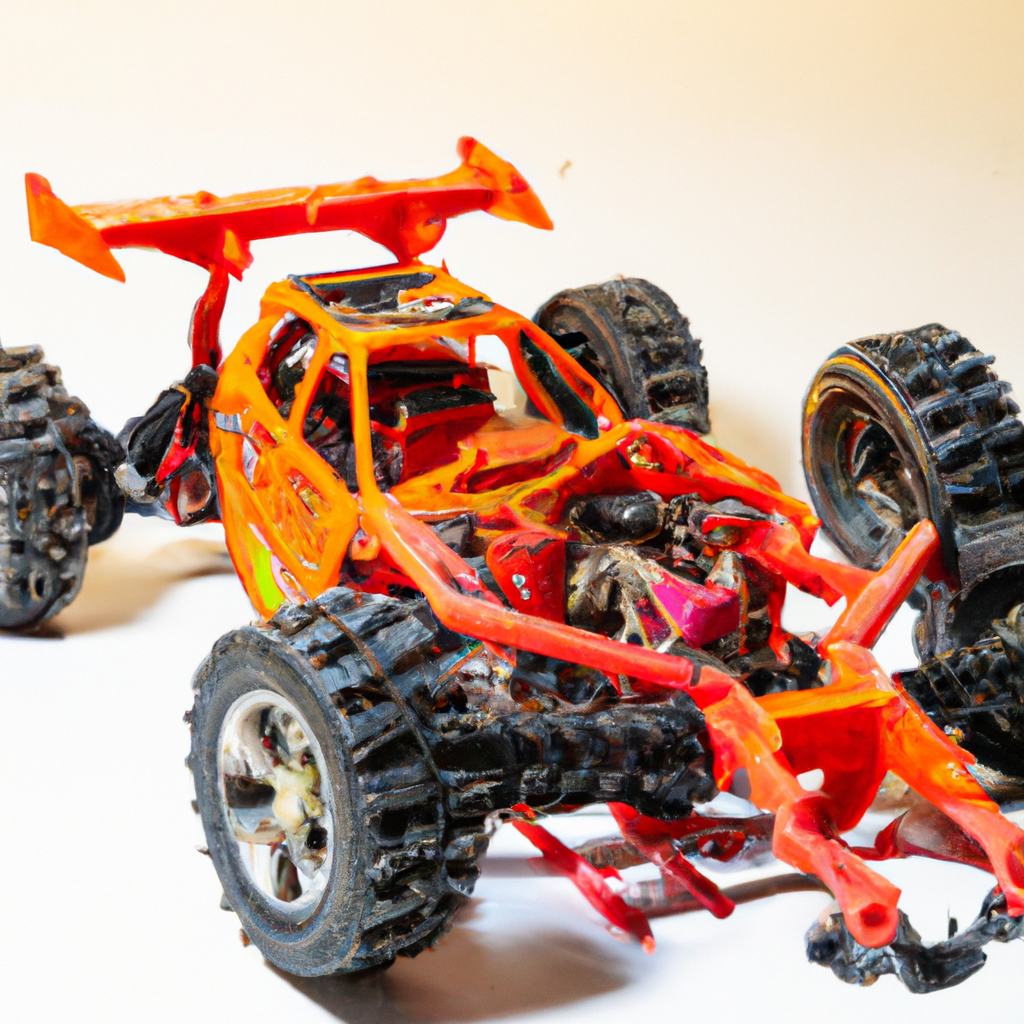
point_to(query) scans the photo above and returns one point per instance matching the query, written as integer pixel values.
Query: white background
(796, 175)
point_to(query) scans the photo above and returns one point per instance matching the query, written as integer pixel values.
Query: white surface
(110, 914)
(794, 174)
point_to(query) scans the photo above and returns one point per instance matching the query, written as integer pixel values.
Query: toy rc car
(473, 613)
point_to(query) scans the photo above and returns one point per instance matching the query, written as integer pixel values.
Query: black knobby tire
(631, 336)
(899, 427)
(98, 454)
(976, 694)
(57, 491)
(388, 892)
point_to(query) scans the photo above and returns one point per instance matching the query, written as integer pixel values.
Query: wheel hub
(273, 800)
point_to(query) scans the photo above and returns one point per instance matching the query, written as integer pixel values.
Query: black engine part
(921, 968)
(192, 486)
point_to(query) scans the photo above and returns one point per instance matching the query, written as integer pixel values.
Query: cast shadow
(122, 582)
(474, 976)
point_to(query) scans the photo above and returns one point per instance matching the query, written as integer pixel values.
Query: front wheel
(323, 816)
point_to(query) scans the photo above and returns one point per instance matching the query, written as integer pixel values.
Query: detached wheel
(323, 815)
(631, 336)
(57, 490)
(900, 427)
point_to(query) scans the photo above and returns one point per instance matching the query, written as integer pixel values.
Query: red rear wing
(407, 217)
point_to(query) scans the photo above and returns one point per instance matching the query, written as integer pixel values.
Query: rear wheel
(57, 490)
(631, 336)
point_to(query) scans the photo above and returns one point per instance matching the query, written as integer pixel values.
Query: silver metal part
(274, 801)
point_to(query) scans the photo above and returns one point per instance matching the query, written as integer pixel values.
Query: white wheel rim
(276, 801)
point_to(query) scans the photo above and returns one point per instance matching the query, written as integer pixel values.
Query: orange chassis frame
(774, 738)
(290, 523)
